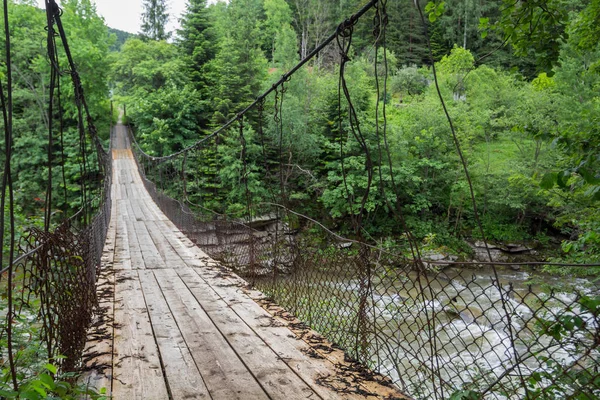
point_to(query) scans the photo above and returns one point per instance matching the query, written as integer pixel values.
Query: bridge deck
(176, 325)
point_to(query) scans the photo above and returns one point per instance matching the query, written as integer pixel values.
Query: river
(436, 333)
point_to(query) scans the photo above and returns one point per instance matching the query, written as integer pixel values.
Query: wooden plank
(275, 376)
(137, 369)
(137, 211)
(128, 291)
(150, 254)
(224, 374)
(115, 188)
(183, 376)
(188, 251)
(122, 257)
(166, 228)
(137, 260)
(151, 209)
(279, 338)
(127, 203)
(99, 347)
(122, 209)
(169, 254)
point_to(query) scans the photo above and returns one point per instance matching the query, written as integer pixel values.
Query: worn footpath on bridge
(176, 325)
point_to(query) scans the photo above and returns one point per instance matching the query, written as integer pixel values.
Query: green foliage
(238, 180)
(121, 38)
(409, 81)
(278, 33)
(465, 395)
(165, 107)
(559, 380)
(154, 20)
(239, 66)
(531, 147)
(89, 42)
(405, 34)
(197, 40)
(37, 378)
(536, 26)
(47, 385)
(434, 10)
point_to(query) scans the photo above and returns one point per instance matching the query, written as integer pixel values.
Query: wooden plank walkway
(176, 325)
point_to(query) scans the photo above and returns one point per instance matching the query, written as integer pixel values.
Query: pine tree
(236, 73)
(240, 65)
(154, 20)
(406, 34)
(197, 40)
(277, 23)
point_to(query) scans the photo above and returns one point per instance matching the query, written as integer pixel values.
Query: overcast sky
(126, 14)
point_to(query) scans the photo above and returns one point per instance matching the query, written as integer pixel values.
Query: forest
(523, 102)
(524, 105)
(520, 85)
(521, 113)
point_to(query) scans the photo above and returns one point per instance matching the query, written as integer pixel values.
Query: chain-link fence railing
(438, 328)
(49, 269)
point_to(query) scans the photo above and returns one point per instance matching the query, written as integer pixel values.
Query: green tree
(313, 20)
(121, 37)
(197, 39)
(538, 27)
(154, 20)
(278, 32)
(240, 65)
(405, 34)
(151, 79)
(89, 42)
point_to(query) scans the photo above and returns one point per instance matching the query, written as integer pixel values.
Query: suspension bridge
(137, 289)
(181, 326)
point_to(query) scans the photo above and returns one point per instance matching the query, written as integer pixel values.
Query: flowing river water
(437, 333)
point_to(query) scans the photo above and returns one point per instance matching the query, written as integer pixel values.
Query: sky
(126, 15)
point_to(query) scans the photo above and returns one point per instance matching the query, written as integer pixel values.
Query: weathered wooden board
(270, 370)
(99, 347)
(137, 371)
(135, 252)
(181, 371)
(168, 253)
(150, 254)
(225, 376)
(122, 257)
(280, 339)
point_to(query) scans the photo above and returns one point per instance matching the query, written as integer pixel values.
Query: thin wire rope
(380, 31)
(54, 74)
(473, 200)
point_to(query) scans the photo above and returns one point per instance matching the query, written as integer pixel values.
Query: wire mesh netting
(437, 328)
(54, 284)
(50, 267)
